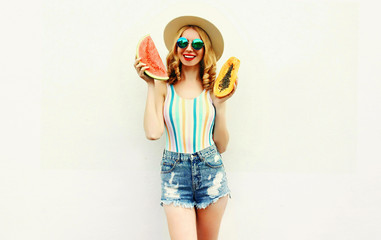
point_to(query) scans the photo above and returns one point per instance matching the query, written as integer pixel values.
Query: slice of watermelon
(149, 55)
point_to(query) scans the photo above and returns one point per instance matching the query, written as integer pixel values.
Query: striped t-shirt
(188, 122)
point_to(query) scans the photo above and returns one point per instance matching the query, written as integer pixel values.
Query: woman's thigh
(181, 222)
(209, 219)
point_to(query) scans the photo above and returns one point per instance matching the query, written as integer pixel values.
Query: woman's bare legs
(181, 222)
(209, 219)
(187, 224)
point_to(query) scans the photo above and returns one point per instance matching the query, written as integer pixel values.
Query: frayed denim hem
(206, 204)
(177, 203)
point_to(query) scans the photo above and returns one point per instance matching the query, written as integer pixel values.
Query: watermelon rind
(147, 71)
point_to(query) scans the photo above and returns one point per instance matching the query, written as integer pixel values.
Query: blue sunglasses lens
(182, 42)
(197, 44)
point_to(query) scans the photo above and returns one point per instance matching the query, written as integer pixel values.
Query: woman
(194, 184)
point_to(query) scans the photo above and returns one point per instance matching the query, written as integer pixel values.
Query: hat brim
(214, 34)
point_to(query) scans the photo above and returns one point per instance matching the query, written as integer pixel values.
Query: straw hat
(214, 34)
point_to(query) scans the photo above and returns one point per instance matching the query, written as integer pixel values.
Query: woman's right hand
(140, 68)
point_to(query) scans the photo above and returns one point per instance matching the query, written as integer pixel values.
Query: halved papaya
(149, 55)
(224, 83)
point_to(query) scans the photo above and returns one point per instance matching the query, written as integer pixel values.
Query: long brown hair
(207, 63)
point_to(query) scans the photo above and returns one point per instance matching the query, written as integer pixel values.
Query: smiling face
(188, 55)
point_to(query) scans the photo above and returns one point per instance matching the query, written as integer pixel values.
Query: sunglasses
(197, 44)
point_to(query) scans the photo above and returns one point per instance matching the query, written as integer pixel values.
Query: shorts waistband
(204, 153)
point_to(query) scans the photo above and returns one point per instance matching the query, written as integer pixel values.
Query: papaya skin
(227, 77)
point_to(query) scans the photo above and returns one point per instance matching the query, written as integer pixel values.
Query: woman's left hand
(218, 101)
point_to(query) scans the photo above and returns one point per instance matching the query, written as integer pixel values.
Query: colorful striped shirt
(188, 122)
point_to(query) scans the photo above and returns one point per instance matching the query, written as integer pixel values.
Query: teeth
(188, 56)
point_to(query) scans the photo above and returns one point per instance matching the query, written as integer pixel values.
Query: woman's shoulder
(161, 87)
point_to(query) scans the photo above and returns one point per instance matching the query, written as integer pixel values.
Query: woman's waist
(188, 144)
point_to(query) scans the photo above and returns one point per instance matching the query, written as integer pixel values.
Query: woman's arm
(221, 133)
(153, 114)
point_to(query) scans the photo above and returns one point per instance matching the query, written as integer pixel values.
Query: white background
(303, 161)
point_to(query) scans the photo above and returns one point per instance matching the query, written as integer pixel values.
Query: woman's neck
(190, 73)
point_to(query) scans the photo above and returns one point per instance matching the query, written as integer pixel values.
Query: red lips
(189, 57)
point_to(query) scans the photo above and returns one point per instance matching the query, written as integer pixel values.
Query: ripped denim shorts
(193, 179)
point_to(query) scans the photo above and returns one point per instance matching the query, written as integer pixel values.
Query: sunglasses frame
(187, 43)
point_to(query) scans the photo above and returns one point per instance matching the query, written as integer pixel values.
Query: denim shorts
(193, 179)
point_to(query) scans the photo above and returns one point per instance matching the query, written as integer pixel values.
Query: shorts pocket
(214, 160)
(167, 165)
